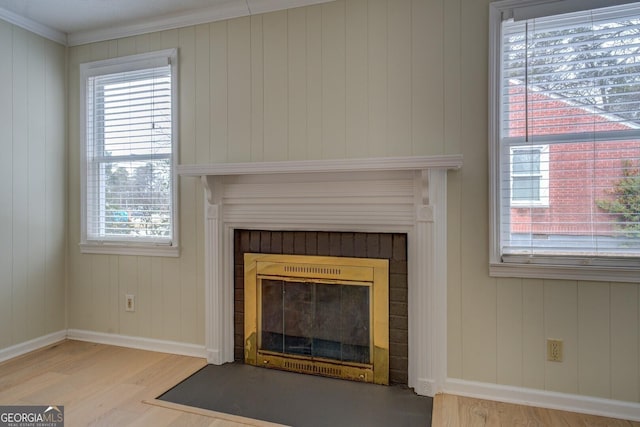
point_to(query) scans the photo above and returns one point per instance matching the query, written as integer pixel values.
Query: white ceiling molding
(264, 6)
(221, 11)
(194, 17)
(33, 26)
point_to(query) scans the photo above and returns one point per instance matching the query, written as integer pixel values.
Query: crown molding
(33, 26)
(265, 6)
(228, 10)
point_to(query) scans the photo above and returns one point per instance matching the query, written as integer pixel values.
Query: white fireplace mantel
(336, 165)
(397, 194)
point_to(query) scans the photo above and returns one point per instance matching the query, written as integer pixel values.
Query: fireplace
(389, 247)
(318, 315)
(380, 195)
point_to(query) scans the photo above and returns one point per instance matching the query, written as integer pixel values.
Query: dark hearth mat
(300, 400)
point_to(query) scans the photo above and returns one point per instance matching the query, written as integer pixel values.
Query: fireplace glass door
(318, 320)
(318, 315)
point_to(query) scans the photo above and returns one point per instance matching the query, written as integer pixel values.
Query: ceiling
(75, 22)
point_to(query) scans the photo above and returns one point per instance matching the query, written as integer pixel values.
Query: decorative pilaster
(215, 301)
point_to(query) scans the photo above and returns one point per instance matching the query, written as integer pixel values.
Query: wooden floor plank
(459, 411)
(102, 385)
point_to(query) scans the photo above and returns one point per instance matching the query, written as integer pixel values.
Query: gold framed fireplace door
(318, 315)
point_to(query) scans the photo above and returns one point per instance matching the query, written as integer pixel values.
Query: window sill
(527, 205)
(124, 249)
(565, 272)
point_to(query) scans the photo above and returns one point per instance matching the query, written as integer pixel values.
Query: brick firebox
(390, 246)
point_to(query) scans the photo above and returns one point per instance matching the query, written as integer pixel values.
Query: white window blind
(129, 153)
(569, 138)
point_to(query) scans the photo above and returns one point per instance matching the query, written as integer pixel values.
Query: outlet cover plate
(130, 302)
(555, 352)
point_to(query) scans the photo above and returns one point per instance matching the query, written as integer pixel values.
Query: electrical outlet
(554, 350)
(130, 302)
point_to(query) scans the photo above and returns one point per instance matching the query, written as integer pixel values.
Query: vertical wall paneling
(35, 179)
(6, 181)
(116, 301)
(510, 327)
(187, 94)
(171, 300)
(80, 298)
(126, 46)
(479, 291)
(188, 188)
(103, 50)
(314, 82)
(452, 75)
(239, 57)
(454, 278)
(479, 334)
(625, 345)
(451, 46)
(73, 185)
(203, 93)
(357, 82)
(533, 338)
(100, 286)
(399, 109)
(561, 322)
(428, 27)
(333, 80)
(257, 89)
(127, 284)
(144, 296)
(143, 43)
(594, 328)
(157, 299)
(297, 87)
(219, 93)
(55, 202)
(202, 149)
(275, 86)
(378, 80)
(20, 192)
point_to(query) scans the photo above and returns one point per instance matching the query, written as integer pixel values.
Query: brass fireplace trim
(319, 269)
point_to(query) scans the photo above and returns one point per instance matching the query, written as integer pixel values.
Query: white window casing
(564, 134)
(128, 135)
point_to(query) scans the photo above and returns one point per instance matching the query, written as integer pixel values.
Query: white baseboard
(140, 343)
(502, 393)
(31, 345)
(544, 398)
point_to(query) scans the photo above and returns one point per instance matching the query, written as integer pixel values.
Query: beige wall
(356, 78)
(32, 186)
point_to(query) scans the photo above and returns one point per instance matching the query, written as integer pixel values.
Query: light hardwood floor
(454, 411)
(101, 385)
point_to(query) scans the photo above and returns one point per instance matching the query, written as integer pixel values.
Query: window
(530, 176)
(128, 154)
(565, 139)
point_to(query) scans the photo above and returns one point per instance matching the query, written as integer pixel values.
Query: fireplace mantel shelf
(314, 166)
